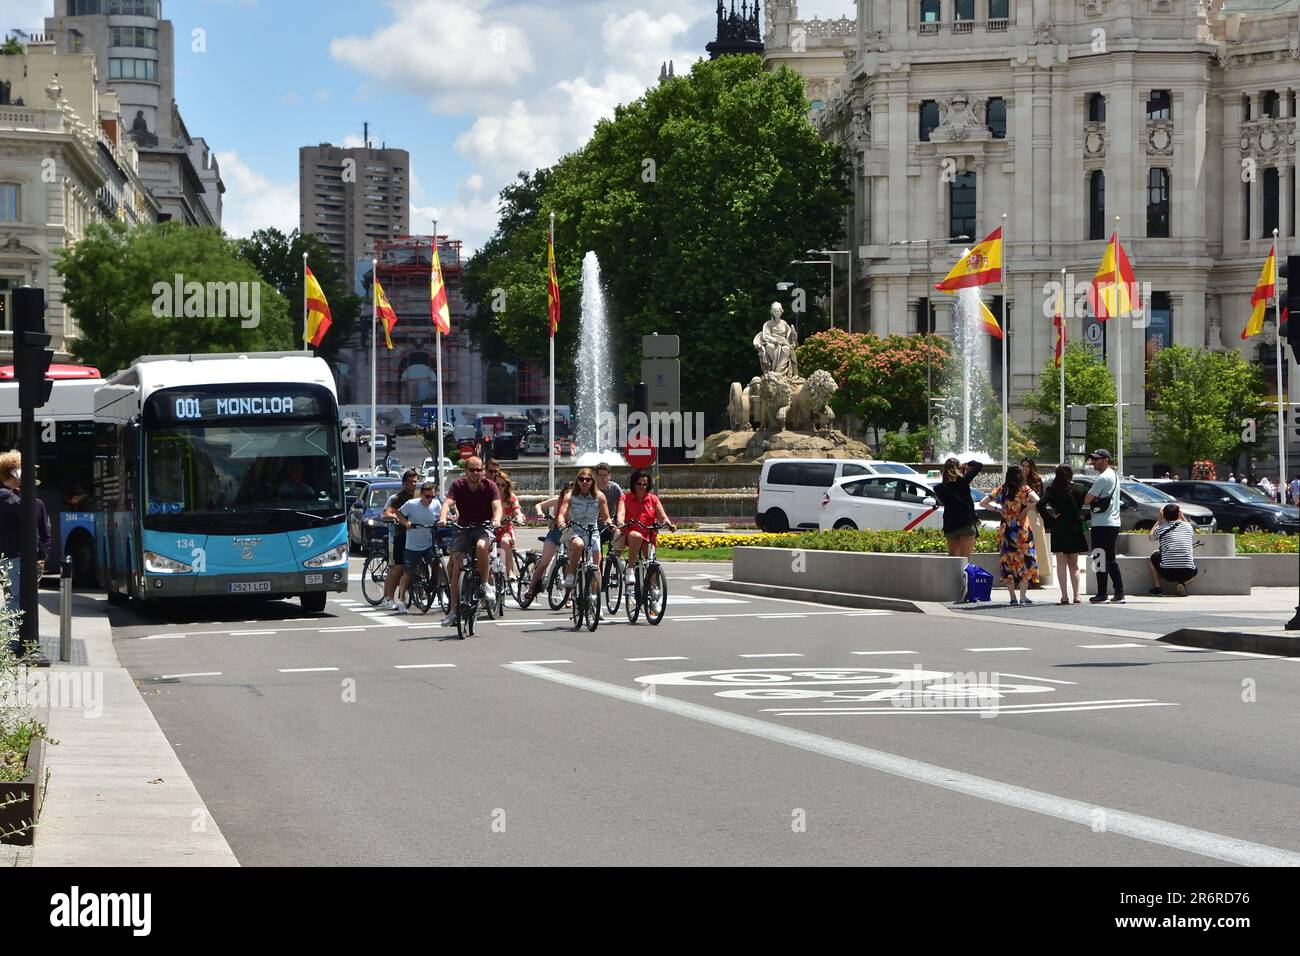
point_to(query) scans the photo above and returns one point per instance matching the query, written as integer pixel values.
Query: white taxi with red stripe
(880, 503)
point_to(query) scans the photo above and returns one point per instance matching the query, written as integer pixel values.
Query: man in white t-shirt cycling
(418, 516)
(1103, 502)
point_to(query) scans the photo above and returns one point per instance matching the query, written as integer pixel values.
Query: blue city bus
(221, 475)
(65, 456)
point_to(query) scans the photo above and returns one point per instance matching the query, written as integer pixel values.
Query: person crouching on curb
(1173, 562)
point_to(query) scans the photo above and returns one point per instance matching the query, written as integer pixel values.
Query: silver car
(1140, 505)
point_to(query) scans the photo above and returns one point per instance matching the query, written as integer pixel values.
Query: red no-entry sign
(640, 451)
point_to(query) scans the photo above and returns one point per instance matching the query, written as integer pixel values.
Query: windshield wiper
(302, 514)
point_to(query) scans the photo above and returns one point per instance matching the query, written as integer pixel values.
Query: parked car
(790, 489)
(1140, 505)
(535, 444)
(505, 447)
(354, 488)
(1236, 507)
(427, 468)
(363, 517)
(883, 503)
(406, 430)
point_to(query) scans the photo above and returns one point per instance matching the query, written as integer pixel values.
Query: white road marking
(866, 613)
(776, 617)
(202, 674)
(656, 658)
(1095, 647)
(341, 630)
(250, 633)
(538, 662)
(407, 667)
(384, 621)
(771, 655)
(164, 637)
(1149, 829)
(688, 620)
(994, 711)
(1272, 657)
(540, 620)
(870, 653)
(1041, 680)
(305, 670)
(687, 599)
(989, 649)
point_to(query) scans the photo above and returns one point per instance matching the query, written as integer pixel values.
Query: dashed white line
(1041, 680)
(340, 630)
(869, 653)
(691, 620)
(202, 674)
(250, 633)
(983, 649)
(771, 655)
(407, 667)
(541, 662)
(773, 617)
(1097, 647)
(164, 637)
(656, 658)
(305, 670)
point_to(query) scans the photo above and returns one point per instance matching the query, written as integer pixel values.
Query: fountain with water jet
(594, 374)
(964, 414)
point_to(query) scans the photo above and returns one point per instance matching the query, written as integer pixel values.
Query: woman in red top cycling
(637, 510)
(511, 515)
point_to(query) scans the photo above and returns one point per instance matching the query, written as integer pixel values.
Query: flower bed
(920, 541)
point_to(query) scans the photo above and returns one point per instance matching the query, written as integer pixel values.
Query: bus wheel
(314, 602)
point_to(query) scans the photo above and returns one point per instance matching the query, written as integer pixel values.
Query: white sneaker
(486, 592)
(399, 608)
(630, 577)
(449, 620)
(388, 604)
(568, 581)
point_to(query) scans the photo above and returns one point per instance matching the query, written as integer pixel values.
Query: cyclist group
(590, 512)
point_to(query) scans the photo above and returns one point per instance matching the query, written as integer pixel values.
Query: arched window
(1097, 205)
(1096, 108)
(1158, 203)
(929, 114)
(997, 117)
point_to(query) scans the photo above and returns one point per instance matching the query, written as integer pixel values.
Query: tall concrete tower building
(135, 53)
(353, 199)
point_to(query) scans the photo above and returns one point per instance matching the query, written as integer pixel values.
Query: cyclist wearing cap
(637, 510)
(418, 517)
(396, 582)
(477, 501)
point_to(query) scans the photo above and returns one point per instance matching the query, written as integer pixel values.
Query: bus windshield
(273, 477)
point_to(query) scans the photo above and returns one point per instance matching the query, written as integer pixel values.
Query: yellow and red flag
(980, 266)
(318, 318)
(552, 285)
(1058, 323)
(438, 307)
(989, 321)
(1264, 290)
(1114, 288)
(385, 313)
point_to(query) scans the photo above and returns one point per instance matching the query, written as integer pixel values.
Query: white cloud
(254, 201)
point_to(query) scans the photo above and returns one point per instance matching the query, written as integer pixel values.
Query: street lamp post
(832, 253)
(929, 322)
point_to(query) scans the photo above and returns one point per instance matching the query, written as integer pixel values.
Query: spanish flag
(1264, 290)
(1058, 323)
(318, 319)
(385, 312)
(1114, 288)
(438, 306)
(989, 321)
(980, 266)
(552, 285)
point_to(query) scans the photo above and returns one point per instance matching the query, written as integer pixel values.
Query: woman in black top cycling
(960, 526)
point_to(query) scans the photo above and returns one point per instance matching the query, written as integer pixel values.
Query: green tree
(117, 281)
(1087, 382)
(695, 199)
(1200, 403)
(279, 260)
(12, 47)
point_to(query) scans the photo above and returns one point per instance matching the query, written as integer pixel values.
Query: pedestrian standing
(11, 475)
(961, 527)
(1062, 511)
(1016, 561)
(1266, 486)
(1102, 502)
(1295, 490)
(1042, 573)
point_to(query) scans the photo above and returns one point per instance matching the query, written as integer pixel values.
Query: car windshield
(1146, 494)
(1247, 493)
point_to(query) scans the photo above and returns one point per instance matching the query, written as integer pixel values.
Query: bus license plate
(249, 587)
(315, 579)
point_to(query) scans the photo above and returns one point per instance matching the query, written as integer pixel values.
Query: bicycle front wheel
(633, 598)
(373, 575)
(612, 584)
(656, 594)
(439, 586)
(555, 586)
(592, 592)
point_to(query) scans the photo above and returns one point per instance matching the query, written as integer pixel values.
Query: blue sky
(475, 89)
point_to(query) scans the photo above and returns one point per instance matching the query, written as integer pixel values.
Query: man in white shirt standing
(1103, 502)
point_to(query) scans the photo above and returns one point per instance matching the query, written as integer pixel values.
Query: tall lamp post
(929, 320)
(832, 253)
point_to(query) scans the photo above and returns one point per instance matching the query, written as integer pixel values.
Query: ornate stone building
(1177, 117)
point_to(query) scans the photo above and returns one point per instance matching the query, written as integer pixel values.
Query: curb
(839, 598)
(1267, 642)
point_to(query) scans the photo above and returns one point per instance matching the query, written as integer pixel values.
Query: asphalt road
(742, 730)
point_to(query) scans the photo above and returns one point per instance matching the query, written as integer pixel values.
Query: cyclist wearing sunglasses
(585, 507)
(637, 510)
(477, 501)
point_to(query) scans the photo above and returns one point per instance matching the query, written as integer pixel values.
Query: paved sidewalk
(117, 793)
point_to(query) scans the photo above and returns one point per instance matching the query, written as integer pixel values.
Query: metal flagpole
(1006, 372)
(551, 464)
(374, 356)
(437, 350)
(1119, 358)
(1277, 316)
(1060, 311)
(306, 342)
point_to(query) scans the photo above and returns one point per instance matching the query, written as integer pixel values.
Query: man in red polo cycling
(477, 501)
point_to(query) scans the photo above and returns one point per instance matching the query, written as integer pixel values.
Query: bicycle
(611, 580)
(467, 607)
(586, 596)
(497, 571)
(650, 588)
(525, 561)
(375, 572)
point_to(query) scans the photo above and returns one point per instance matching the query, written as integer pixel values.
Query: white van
(790, 489)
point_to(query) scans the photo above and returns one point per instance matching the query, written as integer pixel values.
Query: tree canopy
(695, 199)
(1087, 382)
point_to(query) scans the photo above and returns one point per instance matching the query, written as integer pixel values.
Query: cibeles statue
(775, 343)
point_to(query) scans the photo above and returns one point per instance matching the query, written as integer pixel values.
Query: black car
(364, 524)
(406, 430)
(505, 447)
(1236, 507)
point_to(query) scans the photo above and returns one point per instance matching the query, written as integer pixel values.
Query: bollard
(65, 612)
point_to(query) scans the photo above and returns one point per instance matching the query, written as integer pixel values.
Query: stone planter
(1274, 570)
(1211, 545)
(911, 577)
(22, 798)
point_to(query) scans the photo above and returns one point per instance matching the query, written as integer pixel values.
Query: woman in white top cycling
(584, 507)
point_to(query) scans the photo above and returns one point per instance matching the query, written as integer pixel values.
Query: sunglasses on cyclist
(584, 478)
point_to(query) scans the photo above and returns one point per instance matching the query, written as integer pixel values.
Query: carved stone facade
(1230, 73)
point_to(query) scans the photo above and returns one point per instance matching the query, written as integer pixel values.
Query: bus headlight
(329, 559)
(157, 564)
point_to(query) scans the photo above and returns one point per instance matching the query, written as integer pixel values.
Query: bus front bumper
(277, 585)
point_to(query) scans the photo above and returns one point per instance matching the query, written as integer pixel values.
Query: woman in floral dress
(1015, 501)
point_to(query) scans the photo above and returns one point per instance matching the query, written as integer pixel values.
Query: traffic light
(32, 358)
(1293, 304)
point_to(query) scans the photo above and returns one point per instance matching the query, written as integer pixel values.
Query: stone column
(1042, 174)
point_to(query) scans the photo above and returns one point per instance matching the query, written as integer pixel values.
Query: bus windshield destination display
(175, 406)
